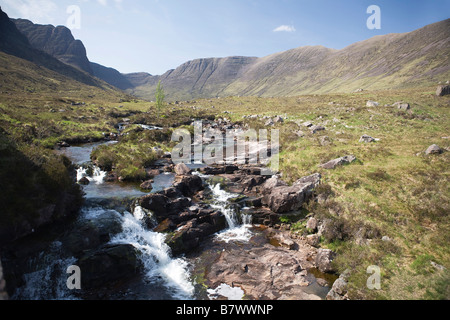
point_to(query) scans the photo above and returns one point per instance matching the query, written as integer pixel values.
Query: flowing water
(164, 277)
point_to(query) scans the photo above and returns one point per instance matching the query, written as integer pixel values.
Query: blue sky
(157, 35)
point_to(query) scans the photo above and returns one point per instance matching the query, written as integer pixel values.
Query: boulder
(182, 169)
(147, 185)
(272, 183)
(402, 106)
(325, 141)
(324, 260)
(372, 104)
(312, 224)
(433, 149)
(366, 139)
(108, 264)
(84, 181)
(313, 240)
(339, 289)
(289, 198)
(338, 162)
(315, 129)
(443, 90)
(189, 185)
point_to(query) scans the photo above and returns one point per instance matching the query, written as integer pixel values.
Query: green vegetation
(160, 96)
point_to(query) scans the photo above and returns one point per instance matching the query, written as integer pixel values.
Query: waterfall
(237, 230)
(98, 175)
(156, 255)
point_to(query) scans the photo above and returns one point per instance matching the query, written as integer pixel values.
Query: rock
(312, 224)
(338, 162)
(339, 289)
(189, 185)
(84, 181)
(403, 106)
(367, 139)
(443, 90)
(188, 237)
(372, 104)
(278, 119)
(315, 129)
(324, 260)
(307, 124)
(108, 264)
(358, 90)
(271, 183)
(182, 169)
(87, 235)
(263, 273)
(437, 266)
(313, 240)
(269, 123)
(289, 198)
(434, 149)
(284, 241)
(3, 293)
(147, 185)
(325, 141)
(300, 133)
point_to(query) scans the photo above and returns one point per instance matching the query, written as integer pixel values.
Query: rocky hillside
(57, 42)
(394, 61)
(382, 62)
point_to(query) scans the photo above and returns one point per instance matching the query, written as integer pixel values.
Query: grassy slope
(390, 191)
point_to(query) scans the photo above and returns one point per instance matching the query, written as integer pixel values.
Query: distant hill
(421, 57)
(417, 58)
(57, 42)
(25, 67)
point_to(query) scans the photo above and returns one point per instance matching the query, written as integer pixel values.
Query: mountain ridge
(396, 60)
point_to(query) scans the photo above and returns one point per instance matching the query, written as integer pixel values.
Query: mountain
(25, 67)
(420, 57)
(417, 58)
(57, 42)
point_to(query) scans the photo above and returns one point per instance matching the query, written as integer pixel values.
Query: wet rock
(189, 185)
(147, 185)
(189, 236)
(92, 233)
(84, 181)
(443, 90)
(102, 267)
(338, 162)
(433, 149)
(324, 260)
(182, 169)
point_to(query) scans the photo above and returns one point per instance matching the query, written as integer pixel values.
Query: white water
(156, 256)
(98, 175)
(224, 290)
(237, 230)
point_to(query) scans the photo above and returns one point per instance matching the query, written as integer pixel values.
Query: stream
(164, 277)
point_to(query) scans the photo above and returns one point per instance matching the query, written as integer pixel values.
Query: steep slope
(420, 57)
(57, 42)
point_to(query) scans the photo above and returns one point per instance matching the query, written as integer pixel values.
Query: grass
(392, 190)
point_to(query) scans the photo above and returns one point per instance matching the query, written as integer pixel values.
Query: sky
(158, 35)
